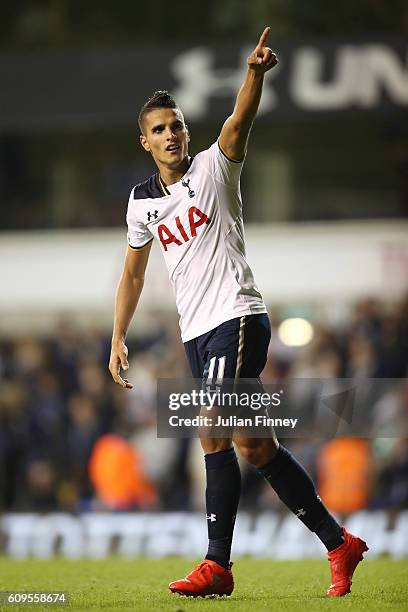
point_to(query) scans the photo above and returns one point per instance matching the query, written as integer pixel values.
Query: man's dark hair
(160, 99)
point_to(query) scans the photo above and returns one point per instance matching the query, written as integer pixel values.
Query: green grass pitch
(119, 584)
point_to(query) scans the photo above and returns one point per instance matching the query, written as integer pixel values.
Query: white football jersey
(198, 224)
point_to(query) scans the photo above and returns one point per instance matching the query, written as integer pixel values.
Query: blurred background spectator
(328, 153)
(58, 403)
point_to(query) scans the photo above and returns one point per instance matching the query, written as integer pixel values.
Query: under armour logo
(186, 183)
(212, 518)
(300, 512)
(152, 215)
(199, 81)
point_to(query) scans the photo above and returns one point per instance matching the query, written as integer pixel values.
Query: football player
(192, 206)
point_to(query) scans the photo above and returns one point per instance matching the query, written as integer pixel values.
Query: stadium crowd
(72, 440)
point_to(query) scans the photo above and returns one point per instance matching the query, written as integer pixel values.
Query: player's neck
(173, 175)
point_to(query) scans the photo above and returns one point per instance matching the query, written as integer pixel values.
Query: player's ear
(144, 143)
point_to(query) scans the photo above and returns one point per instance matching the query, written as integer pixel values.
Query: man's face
(166, 136)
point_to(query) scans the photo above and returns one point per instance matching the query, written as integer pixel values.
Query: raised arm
(234, 134)
(127, 296)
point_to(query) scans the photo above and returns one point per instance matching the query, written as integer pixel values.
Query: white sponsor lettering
(96, 535)
(361, 76)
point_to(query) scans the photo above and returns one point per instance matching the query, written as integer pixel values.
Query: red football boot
(209, 578)
(343, 562)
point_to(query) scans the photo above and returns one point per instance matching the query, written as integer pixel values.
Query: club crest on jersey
(196, 218)
(186, 183)
(152, 215)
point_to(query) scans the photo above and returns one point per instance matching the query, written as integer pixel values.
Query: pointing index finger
(264, 36)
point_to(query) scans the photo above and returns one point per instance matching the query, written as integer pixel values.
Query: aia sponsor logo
(196, 218)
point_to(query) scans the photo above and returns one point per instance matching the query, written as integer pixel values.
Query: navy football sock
(295, 488)
(222, 497)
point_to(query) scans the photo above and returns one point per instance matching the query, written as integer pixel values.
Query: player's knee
(251, 452)
(257, 451)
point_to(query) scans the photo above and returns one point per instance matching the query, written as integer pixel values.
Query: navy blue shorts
(235, 349)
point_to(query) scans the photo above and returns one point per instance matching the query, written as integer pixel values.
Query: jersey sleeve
(138, 235)
(220, 166)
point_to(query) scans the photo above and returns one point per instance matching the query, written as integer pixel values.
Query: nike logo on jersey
(152, 215)
(196, 218)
